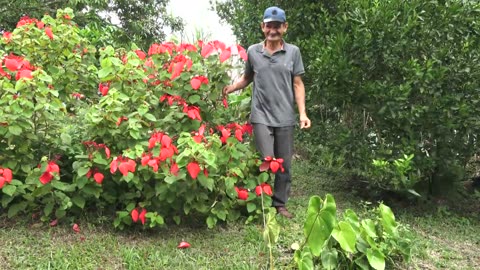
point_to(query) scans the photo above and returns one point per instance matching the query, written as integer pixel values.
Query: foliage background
(384, 79)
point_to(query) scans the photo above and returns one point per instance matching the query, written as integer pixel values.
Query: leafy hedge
(385, 80)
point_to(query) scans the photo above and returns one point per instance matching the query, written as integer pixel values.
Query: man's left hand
(304, 122)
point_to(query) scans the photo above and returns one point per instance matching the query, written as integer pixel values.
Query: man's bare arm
(299, 89)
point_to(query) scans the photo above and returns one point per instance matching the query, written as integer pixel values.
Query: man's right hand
(228, 89)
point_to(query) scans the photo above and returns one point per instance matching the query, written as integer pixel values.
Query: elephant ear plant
(350, 243)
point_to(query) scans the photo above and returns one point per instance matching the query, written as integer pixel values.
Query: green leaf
(79, 201)
(48, 209)
(194, 99)
(251, 207)
(345, 236)
(66, 139)
(351, 217)
(170, 179)
(329, 258)
(142, 109)
(63, 186)
(272, 229)
(60, 213)
(319, 223)
(82, 171)
(150, 117)
(263, 177)
(211, 222)
(362, 263)
(15, 208)
(15, 130)
(388, 219)
(304, 259)
(369, 226)
(43, 76)
(9, 190)
(104, 72)
(205, 181)
(376, 259)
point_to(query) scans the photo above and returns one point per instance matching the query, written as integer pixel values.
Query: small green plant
(350, 243)
(394, 175)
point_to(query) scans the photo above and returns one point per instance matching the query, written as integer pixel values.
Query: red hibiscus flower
(174, 169)
(97, 176)
(187, 47)
(24, 73)
(126, 165)
(14, 63)
(183, 244)
(248, 128)
(7, 36)
(47, 176)
(226, 53)
(78, 95)
(198, 136)
(207, 49)
(192, 112)
(5, 176)
(121, 119)
(170, 99)
(140, 54)
(197, 81)
(193, 169)
(136, 216)
(141, 216)
(49, 32)
(265, 188)
(274, 164)
(242, 193)
(103, 88)
(242, 52)
(76, 228)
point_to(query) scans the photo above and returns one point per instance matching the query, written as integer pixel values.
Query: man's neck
(273, 46)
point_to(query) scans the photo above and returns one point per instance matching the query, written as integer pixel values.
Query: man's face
(274, 31)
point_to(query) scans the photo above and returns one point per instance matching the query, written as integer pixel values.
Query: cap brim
(272, 20)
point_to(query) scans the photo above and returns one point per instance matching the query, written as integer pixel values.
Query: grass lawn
(444, 238)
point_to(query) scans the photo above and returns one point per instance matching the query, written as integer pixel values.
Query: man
(275, 67)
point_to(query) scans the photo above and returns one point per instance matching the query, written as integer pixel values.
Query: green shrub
(146, 136)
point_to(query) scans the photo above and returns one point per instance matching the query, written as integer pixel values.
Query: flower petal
(46, 178)
(141, 217)
(7, 173)
(134, 215)
(193, 169)
(98, 177)
(195, 83)
(183, 244)
(49, 32)
(225, 55)
(76, 228)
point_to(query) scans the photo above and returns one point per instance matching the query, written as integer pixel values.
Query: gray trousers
(277, 142)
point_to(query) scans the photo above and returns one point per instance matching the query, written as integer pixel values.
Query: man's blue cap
(274, 14)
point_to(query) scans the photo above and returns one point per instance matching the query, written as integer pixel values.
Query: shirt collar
(265, 41)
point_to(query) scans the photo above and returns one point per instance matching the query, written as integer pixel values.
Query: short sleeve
(298, 68)
(248, 71)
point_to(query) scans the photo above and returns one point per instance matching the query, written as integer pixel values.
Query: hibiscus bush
(144, 136)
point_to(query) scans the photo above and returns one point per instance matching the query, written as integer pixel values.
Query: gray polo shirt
(273, 98)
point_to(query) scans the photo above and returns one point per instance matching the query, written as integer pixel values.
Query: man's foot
(282, 210)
